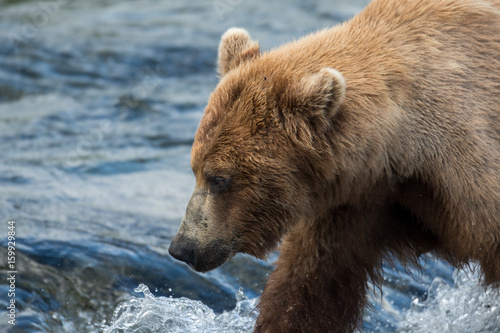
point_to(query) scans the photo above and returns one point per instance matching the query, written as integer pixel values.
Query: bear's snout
(182, 249)
(201, 258)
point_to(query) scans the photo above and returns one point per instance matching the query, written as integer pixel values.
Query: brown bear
(372, 140)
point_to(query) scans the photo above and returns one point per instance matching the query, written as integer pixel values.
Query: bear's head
(259, 142)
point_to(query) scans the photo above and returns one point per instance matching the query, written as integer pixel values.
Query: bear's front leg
(320, 280)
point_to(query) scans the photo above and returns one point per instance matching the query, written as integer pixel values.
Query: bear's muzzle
(182, 249)
(201, 259)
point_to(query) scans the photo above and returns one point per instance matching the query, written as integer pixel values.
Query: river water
(99, 103)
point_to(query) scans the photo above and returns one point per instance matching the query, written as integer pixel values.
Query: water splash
(463, 308)
(176, 315)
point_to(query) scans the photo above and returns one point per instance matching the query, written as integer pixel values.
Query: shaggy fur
(379, 136)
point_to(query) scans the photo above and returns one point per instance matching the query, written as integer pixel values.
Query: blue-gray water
(99, 103)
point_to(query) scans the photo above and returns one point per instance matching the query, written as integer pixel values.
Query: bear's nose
(182, 249)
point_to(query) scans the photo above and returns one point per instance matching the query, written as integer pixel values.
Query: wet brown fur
(408, 163)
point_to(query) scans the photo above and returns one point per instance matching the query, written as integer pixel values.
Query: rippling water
(99, 102)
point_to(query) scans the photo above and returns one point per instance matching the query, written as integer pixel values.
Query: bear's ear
(309, 105)
(235, 47)
(322, 93)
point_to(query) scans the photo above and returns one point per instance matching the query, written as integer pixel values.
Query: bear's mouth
(200, 258)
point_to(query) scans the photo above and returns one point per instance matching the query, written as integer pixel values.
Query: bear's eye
(218, 184)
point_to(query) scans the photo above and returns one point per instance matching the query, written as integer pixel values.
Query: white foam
(463, 308)
(176, 315)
